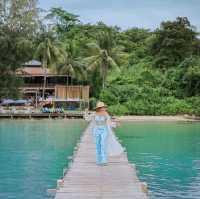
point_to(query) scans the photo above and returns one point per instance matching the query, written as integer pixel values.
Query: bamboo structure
(72, 92)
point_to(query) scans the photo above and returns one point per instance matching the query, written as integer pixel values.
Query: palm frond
(91, 59)
(93, 48)
(94, 65)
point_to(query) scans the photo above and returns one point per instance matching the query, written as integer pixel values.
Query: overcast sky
(129, 13)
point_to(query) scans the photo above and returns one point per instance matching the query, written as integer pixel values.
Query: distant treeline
(135, 71)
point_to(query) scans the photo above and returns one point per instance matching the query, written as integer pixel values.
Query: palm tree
(48, 53)
(103, 55)
(70, 64)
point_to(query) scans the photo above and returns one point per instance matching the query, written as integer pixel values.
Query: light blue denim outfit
(100, 133)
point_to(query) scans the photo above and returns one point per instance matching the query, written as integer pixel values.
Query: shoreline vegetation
(135, 71)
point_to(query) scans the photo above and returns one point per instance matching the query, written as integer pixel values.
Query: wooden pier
(85, 180)
(71, 114)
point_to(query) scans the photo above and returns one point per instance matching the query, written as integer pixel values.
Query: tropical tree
(133, 38)
(190, 80)
(63, 21)
(48, 53)
(174, 41)
(101, 55)
(71, 64)
(18, 24)
(23, 16)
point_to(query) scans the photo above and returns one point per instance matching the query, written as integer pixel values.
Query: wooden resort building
(41, 84)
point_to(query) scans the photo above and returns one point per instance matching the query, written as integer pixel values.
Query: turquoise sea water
(167, 157)
(33, 154)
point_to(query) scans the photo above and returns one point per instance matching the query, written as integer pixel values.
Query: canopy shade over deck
(7, 102)
(62, 100)
(15, 102)
(33, 63)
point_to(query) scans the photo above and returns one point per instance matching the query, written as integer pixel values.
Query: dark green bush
(118, 109)
(174, 106)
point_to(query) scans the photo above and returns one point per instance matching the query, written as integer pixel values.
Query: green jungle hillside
(135, 71)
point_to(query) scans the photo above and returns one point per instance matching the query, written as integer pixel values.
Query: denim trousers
(100, 133)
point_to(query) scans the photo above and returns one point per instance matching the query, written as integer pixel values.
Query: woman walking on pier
(106, 142)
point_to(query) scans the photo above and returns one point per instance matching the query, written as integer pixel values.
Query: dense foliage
(136, 71)
(18, 27)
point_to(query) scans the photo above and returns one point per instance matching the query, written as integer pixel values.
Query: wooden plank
(86, 180)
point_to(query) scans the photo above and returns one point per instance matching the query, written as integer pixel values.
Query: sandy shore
(158, 118)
